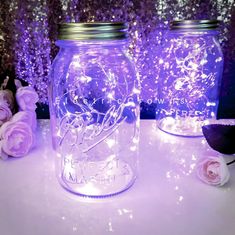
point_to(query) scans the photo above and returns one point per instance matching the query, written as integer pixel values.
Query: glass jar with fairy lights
(94, 108)
(190, 64)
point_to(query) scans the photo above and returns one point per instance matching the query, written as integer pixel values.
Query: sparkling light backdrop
(29, 29)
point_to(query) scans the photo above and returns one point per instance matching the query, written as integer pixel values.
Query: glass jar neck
(193, 32)
(91, 43)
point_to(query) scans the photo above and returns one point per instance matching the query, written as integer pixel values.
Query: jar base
(104, 180)
(187, 127)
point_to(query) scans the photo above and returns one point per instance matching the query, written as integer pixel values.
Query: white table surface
(166, 199)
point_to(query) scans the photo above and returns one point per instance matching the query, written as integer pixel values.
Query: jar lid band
(194, 24)
(92, 30)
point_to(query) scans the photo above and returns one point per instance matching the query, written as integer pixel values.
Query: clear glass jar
(191, 64)
(94, 108)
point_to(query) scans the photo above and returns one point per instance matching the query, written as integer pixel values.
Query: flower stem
(229, 163)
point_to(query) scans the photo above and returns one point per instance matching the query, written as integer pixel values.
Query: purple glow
(190, 65)
(95, 117)
(30, 30)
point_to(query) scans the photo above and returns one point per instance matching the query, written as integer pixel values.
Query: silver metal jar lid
(194, 24)
(93, 30)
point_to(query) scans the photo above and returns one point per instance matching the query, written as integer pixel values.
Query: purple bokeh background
(28, 30)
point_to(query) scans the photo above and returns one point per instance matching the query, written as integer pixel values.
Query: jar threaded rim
(194, 24)
(93, 31)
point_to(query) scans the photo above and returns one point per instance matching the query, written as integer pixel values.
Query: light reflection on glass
(191, 65)
(94, 109)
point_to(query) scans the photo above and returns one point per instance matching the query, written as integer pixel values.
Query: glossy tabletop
(166, 199)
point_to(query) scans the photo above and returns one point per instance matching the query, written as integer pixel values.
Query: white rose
(213, 170)
(8, 97)
(3, 155)
(5, 113)
(17, 139)
(26, 98)
(18, 83)
(28, 117)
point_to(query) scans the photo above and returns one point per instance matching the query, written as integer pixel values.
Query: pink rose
(213, 171)
(5, 113)
(4, 84)
(17, 139)
(26, 98)
(18, 83)
(3, 155)
(28, 117)
(7, 97)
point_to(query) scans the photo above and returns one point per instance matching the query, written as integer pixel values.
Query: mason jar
(94, 109)
(190, 65)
